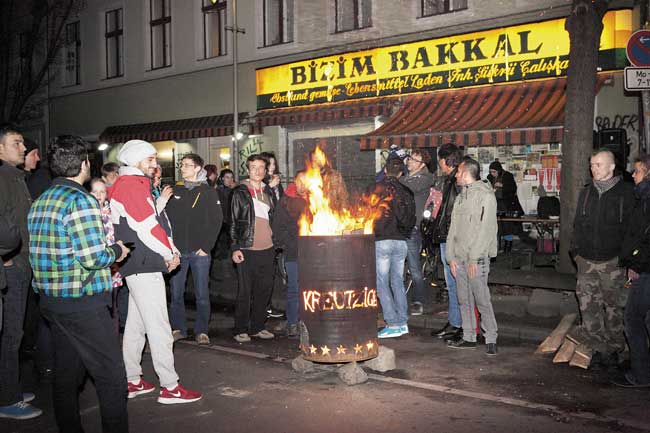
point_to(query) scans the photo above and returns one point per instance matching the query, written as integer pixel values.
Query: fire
(323, 220)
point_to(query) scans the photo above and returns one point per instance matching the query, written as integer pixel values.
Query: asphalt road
(252, 388)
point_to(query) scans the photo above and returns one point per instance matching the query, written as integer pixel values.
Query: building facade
(162, 70)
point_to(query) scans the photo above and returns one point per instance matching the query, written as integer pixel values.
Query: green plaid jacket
(67, 246)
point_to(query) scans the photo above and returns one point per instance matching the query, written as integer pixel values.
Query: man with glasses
(419, 180)
(194, 211)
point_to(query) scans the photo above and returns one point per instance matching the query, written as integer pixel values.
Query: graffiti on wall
(251, 147)
(629, 122)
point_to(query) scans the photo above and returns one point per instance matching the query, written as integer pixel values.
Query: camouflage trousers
(602, 297)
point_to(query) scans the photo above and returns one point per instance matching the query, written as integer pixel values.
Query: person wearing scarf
(194, 211)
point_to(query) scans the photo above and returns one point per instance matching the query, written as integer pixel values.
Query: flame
(322, 220)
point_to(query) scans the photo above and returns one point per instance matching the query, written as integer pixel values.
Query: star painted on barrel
(325, 350)
(370, 345)
(313, 349)
(340, 350)
(357, 348)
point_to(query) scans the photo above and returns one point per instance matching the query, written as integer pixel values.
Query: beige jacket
(473, 231)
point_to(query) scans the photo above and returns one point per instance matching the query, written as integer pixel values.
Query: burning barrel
(338, 298)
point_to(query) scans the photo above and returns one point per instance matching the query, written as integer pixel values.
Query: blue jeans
(637, 327)
(390, 256)
(292, 292)
(200, 266)
(454, 317)
(413, 258)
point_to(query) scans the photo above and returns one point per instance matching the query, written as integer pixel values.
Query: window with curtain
(214, 28)
(160, 28)
(114, 44)
(278, 22)
(353, 15)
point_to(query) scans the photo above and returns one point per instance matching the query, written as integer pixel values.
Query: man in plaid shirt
(71, 260)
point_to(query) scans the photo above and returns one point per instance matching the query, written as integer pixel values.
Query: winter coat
(285, 223)
(507, 201)
(15, 202)
(420, 184)
(449, 188)
(242, 211)
(9, 241)
(473, 230)
(398, 210)
(600, 221)
(635, 249)
(196, 217)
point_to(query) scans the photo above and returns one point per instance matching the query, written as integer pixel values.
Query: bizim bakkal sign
(528, 51)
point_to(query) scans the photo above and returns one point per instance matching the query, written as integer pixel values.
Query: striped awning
(336, 112)
(519, 113)
(182, 129)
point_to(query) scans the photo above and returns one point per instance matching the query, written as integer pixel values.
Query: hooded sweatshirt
(473, 231)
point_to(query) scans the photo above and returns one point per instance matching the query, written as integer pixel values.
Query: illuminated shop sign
(536, 50)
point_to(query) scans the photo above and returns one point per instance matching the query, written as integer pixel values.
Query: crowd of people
(96, 252)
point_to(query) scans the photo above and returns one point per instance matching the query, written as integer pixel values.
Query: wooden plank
(553, 342)
(566, 352)
(581, 357)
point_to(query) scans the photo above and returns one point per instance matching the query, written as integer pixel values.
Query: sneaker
(242, 338)
(177, 334)
(629, 381)
(20, 410)
(392, 331)
(273, 313)
(461, 344)
(139, 388)
(264, 335)
(178, 395)
(28, 396)
(491, 349)
(404, 329)
(417, 309)
(202, 339)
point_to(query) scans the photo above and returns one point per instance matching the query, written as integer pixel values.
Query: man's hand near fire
(237, 256)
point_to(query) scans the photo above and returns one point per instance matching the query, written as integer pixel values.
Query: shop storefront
(499, 94)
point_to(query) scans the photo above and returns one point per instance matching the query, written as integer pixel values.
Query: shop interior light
(239, 135)
(102, 147)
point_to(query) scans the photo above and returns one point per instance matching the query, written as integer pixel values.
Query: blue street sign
(638, 48)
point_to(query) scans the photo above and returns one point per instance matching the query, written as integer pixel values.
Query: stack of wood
(565, 346)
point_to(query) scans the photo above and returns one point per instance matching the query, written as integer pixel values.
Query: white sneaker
(242, 338)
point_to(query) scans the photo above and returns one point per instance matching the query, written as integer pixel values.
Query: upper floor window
(24, 51)
(114, 44)
(437, 7)
(214, 28)
(353, 14)
(72, 49)
(278, 22)
(161, 26)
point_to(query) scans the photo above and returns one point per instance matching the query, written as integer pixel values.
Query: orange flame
(322, 220)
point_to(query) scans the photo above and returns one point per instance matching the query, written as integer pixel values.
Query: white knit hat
(135, 151)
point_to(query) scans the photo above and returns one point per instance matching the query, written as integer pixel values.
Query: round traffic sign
(638, 48)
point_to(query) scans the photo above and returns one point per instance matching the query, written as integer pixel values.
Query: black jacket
(9, 240)
(635, 250)
(15, 202)
(600, 221)
(195, 216)
(285, 225)
(447, 185)
(242, 212)
(398, 210)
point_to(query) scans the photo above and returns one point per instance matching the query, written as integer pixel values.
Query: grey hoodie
(473, 231)
(420, 184)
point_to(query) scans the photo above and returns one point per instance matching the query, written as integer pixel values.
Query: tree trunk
(584, 25)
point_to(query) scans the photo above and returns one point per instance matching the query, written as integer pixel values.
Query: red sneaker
(178, 395)
(142, 387)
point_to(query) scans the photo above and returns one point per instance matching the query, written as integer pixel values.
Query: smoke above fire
(323, 219)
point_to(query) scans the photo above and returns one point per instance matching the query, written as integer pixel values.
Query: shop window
(278, 22)
(114, 44)
(438, 7)
(72, 74)
(160, 33)
(353, 14)
(214, 27)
